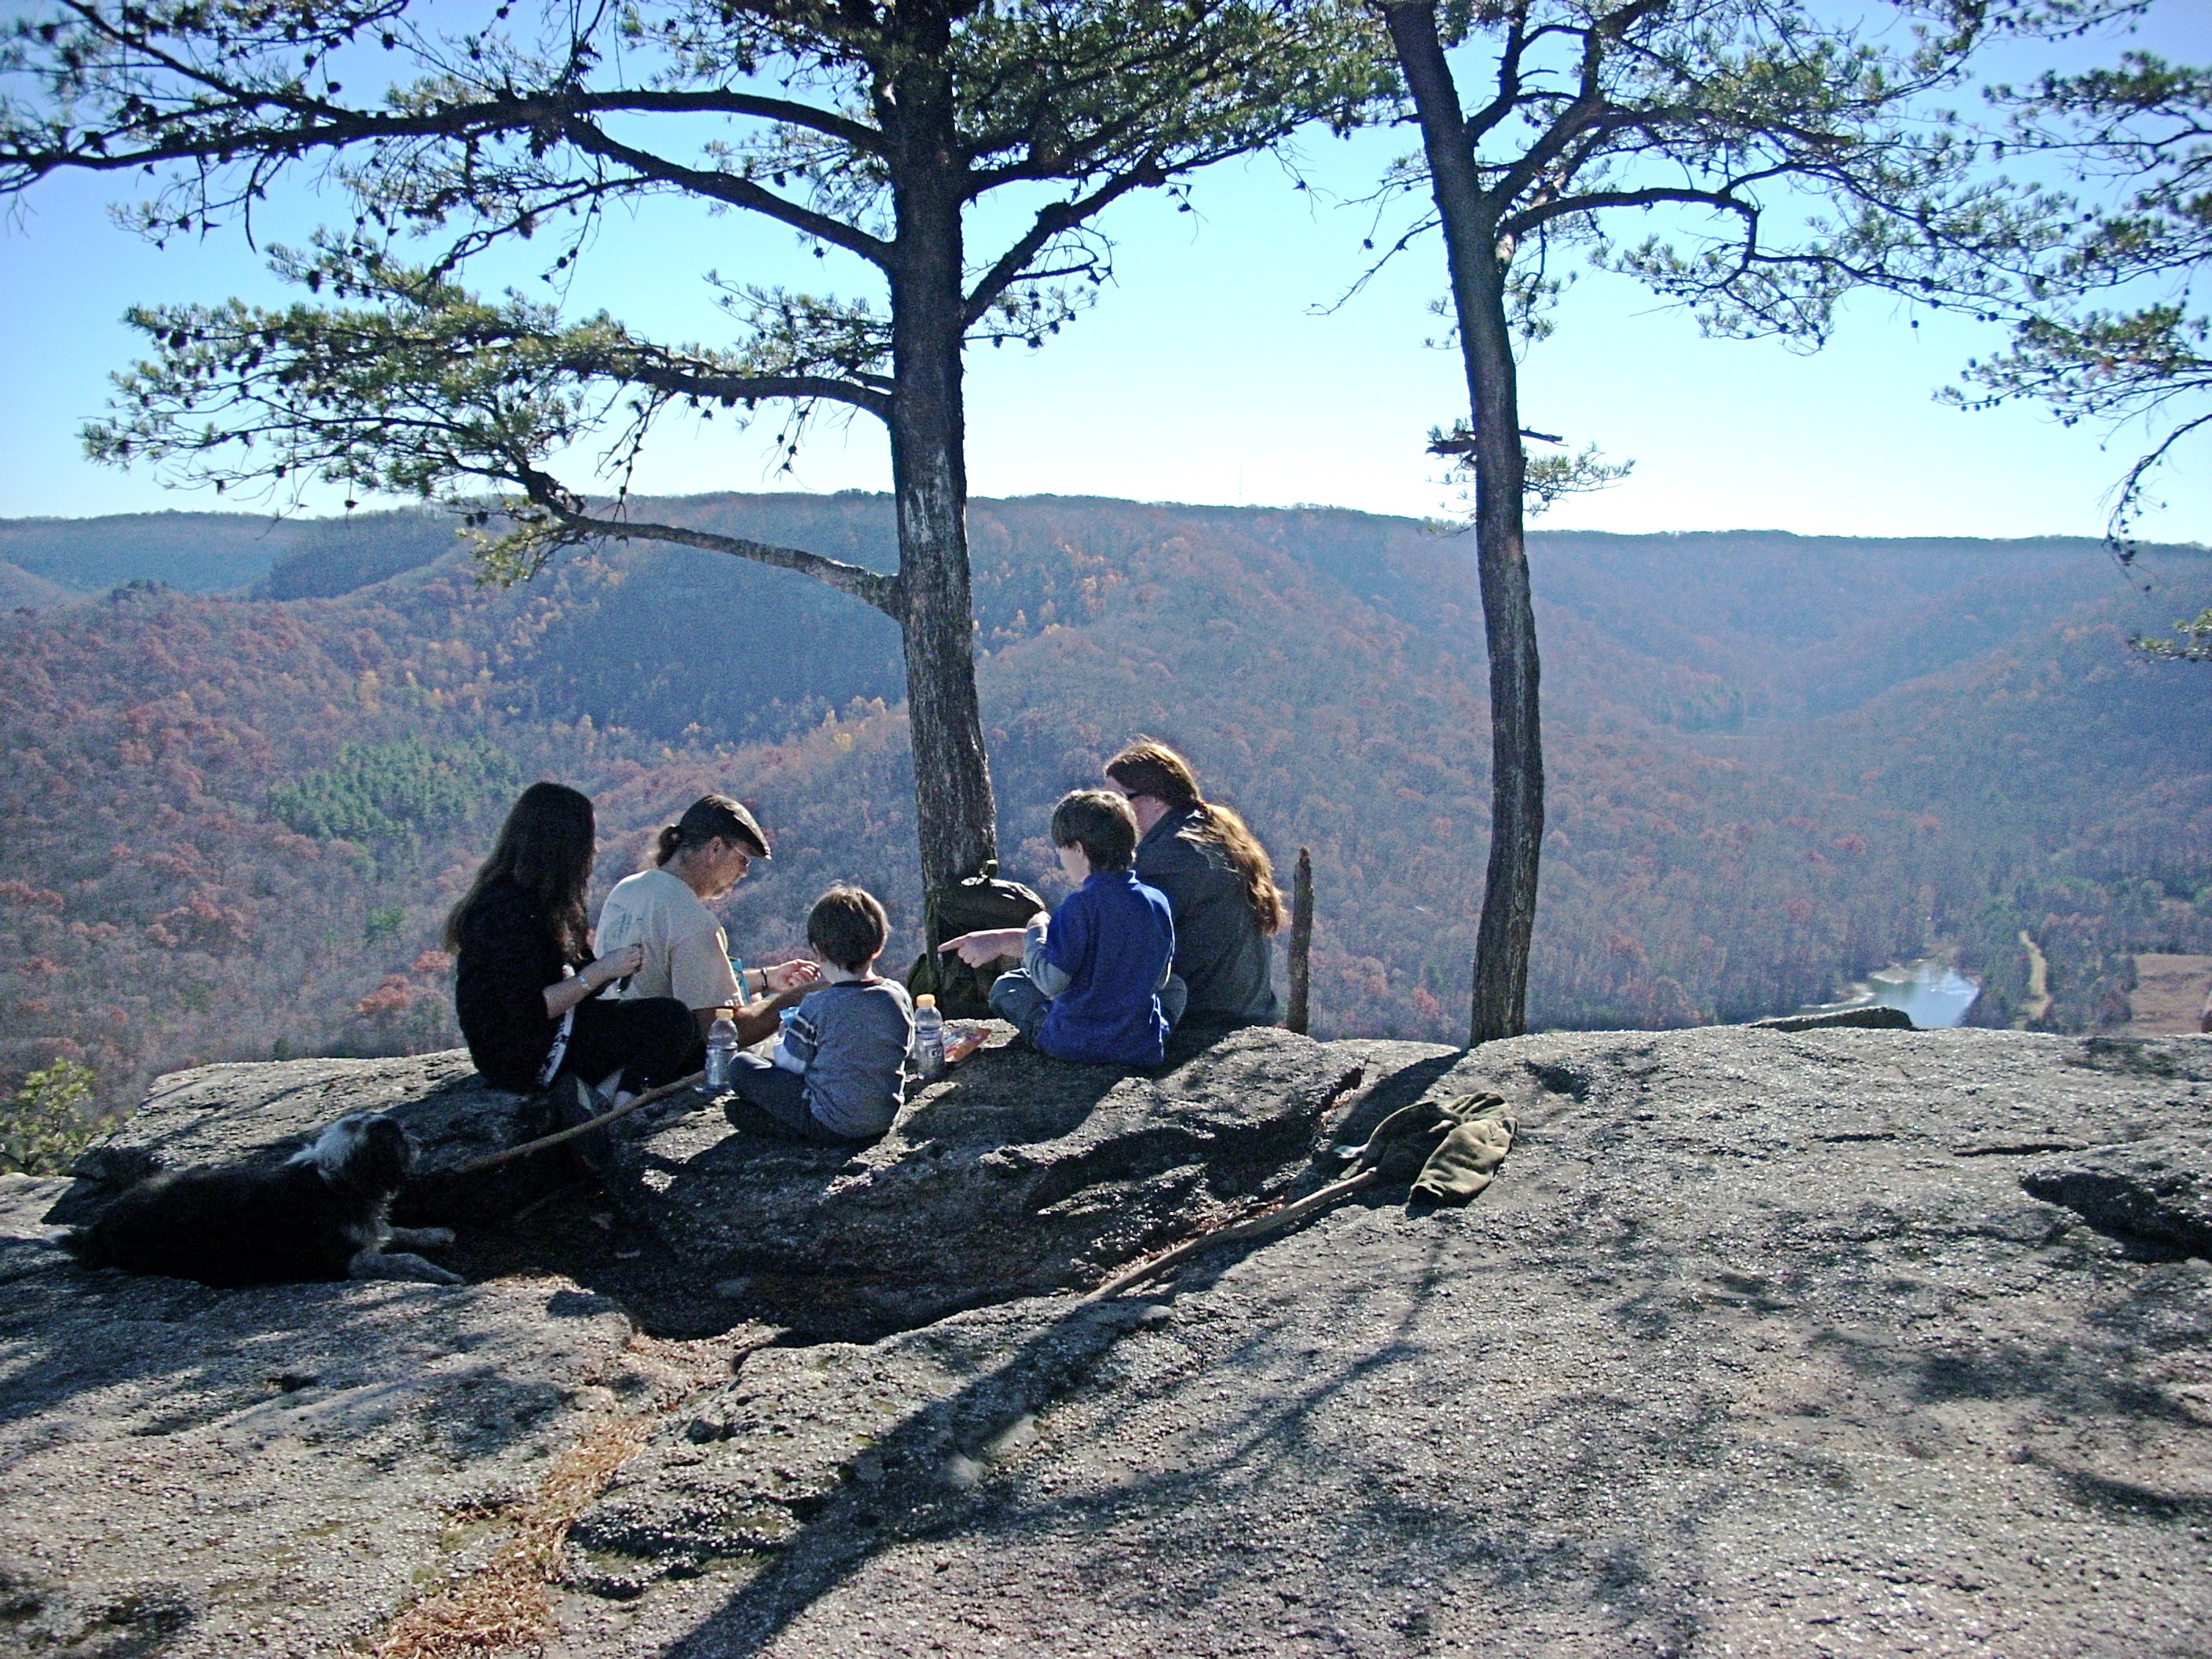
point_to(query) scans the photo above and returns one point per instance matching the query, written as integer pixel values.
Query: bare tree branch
(886, 593)
(1050, 221)
(731, 189)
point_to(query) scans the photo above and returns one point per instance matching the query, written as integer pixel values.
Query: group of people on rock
(1174, 899)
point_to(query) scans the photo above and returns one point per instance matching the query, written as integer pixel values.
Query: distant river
(1934, 993)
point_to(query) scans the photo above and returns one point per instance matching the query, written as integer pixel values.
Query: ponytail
(711, 818)
(1148, 767)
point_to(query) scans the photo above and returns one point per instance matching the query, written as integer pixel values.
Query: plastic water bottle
(721, 1048)
(928, 1037)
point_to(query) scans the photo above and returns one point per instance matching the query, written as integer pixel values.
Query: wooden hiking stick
(492, 1159)
(1252, 1229)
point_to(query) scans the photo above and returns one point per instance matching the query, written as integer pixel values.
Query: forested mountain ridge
(1776, 762)
(191, 552)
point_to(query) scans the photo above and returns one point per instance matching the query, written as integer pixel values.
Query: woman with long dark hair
(1218, 878)
(525, 984)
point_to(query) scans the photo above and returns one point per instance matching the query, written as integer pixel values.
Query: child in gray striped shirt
(838, 1073)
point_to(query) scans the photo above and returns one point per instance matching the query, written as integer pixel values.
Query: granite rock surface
(275, 1472)
(1017, 1175)
(2157, 1189)
(1757, 1344)
(1762, 1342)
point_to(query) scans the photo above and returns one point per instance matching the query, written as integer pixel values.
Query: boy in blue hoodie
(1090, 983)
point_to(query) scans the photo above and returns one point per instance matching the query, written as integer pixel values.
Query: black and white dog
(320, 1214)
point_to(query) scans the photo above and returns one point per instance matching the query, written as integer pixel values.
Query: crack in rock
(2159, 1189)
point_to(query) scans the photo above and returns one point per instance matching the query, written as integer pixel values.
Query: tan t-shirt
(687, 956)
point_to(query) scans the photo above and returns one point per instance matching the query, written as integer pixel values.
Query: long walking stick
(1327, 1195)
(570, 1134)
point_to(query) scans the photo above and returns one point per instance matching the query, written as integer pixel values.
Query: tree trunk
(1517, 735)
(956, 817)
(1516, 744)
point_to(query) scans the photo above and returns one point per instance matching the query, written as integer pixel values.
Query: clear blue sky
(1210, 373)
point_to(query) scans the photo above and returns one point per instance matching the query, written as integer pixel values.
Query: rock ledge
(1017, 1176)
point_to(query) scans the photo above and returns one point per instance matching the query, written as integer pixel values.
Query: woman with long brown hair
(1218, 878)
(525, 984)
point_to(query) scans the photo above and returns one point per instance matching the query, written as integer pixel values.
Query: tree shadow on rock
(173, 1355)
(1288, 1413)
(127, 1621)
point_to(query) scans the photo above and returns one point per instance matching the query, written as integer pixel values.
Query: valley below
(248, 767)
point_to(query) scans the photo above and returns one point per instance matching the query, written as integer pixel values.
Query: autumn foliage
(234, 825)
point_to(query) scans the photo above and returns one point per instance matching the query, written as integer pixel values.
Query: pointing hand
(981, 950)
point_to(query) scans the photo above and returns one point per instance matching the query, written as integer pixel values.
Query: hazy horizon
(1536, 527)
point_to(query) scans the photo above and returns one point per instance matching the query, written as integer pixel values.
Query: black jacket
(508, 955)
(1220, 952)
